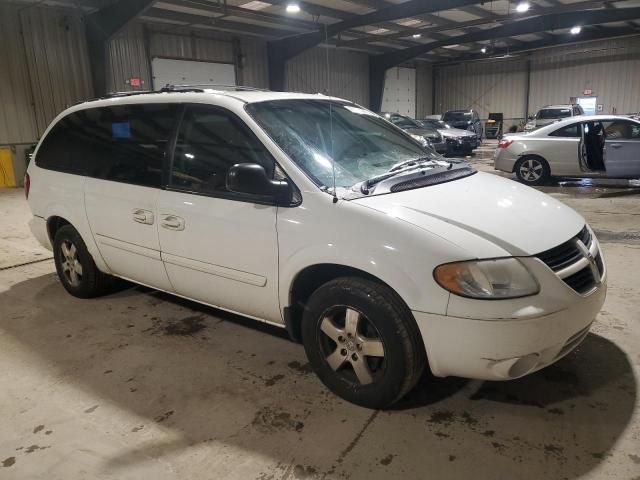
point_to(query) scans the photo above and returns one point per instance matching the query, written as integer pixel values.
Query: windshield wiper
(396, 169)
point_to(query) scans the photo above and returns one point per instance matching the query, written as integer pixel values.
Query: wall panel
(255, 69)
(128, 58)
(489, 86)
(345, 75)
(424, 89)
(611, 68)
(17, 115)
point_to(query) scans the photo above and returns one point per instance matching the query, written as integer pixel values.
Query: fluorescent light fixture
(379, 31)
(416, 35)
(576, 30)
(293, 8)
(408, 22)
(483, 49)
(255, 5)
(522, 7)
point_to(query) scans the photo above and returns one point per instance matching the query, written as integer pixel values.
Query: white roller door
(187, 72)
(400, 91)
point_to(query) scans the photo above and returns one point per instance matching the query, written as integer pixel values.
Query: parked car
(585, 146)
(456, 140)
(464, 119)
(414, 127)
(313, 214)
(551, 114)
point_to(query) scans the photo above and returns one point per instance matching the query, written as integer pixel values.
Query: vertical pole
(527, 89)
(434, 77)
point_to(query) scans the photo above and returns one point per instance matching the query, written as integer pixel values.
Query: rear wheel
(362, 341)
(75, 266)
(533, 170)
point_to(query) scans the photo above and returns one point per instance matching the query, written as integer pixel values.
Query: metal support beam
(101, 26)
(282, 50)
(540, 23)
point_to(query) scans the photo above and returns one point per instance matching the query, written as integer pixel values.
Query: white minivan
(316, 215)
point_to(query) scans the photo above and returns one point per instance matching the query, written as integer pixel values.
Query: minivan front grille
(560, 259)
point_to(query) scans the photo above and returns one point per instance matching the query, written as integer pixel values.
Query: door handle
(142, 216)
(615, 145)
(172, 222)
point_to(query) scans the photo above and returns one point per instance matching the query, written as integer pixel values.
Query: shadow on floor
(209, 376)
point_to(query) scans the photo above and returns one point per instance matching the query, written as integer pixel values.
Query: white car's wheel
(532, 170)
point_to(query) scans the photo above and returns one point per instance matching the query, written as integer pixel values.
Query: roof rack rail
(199, 87)
(126, 94)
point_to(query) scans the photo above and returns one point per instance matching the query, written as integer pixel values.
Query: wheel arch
(526, 155)
(308, 280)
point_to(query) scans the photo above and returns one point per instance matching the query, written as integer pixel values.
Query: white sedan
(584, 146)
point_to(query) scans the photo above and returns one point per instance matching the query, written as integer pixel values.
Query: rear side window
(568, 131)
(621, 129)
(553, 113)
(210, 141)
(123, 143)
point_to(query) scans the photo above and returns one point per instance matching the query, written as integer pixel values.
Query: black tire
(383, 319)
(91, 282)
(533, 170)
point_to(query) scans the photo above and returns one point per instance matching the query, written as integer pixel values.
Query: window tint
(124, 143)
(553, 113)
(568, 131)
(210, 141)
(621, 129)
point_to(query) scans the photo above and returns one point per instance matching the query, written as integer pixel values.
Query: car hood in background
(423, 132)
(515, 217)
(456, 132)
(461, 124)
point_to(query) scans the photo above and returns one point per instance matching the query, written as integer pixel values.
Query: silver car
(552, 114)
(585, 146)
(457, 140)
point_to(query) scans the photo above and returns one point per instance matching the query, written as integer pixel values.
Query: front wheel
(362, 341)
(532, 171)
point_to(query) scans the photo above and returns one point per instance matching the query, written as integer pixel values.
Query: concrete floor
(142, 385)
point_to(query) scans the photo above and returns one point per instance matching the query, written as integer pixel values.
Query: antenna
(333, 161)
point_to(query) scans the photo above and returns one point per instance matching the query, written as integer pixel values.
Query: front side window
(621, 130)
(123, 143)
(326, 138)
(210, 141)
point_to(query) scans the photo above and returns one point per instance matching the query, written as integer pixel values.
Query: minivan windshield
(320, 134)
(456, 116)
(553, 113)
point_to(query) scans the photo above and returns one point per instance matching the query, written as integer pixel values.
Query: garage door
(187, 72)
(400, 91)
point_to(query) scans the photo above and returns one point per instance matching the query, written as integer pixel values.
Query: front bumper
(522, 338)
(461, 144)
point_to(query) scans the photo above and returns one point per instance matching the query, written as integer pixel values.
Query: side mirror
(530, 117)
(251, 179)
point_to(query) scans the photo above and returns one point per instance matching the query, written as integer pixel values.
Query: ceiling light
(255, 5)
(576, 30)
(483, 49)
(408, 22)
(379, 31)
(293, 8)
(522, 7)
(416, 35)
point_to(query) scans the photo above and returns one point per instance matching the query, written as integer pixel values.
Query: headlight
(487, 279)
(423, 141)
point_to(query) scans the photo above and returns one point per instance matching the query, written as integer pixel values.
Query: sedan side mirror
(252, 179)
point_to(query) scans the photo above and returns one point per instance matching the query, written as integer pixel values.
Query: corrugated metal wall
(127, 58)
(45, 68)
(347, 75)
(17, 118)
(497, 86)
(58, 60)
(424, 89)
(610, 68)
(255, 69)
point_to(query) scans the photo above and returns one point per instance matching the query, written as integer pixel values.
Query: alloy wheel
(531, 170)
(351, 345)
(71, 266)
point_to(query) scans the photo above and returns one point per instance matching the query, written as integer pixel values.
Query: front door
(218, 247)
(622, 148)
(124, 177)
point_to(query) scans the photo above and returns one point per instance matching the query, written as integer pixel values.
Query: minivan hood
(515, 217)
(456, 132)
(461, 124)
